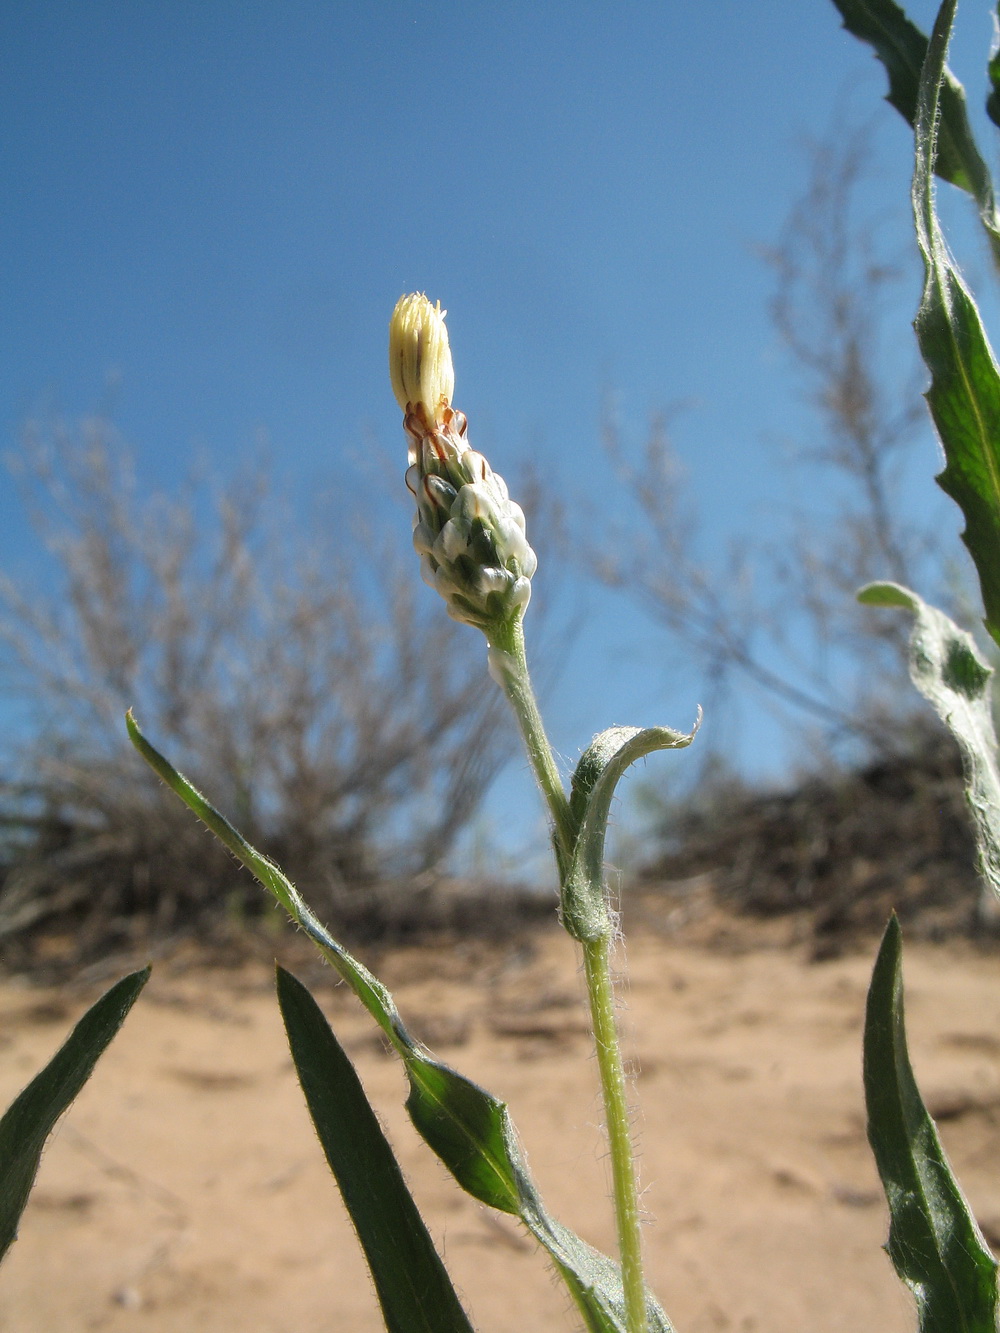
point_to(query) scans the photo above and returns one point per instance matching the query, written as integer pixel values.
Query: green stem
(511, 672)
(510, 669)
(597, 966)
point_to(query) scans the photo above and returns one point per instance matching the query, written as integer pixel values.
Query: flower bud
(468, 532)
(420, 358)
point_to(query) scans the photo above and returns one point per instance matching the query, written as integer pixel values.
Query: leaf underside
(600, 768)
(947, 669)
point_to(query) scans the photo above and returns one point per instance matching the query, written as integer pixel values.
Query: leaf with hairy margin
(902, 49)
(947, 669)
(964, 394)
(934, 1243)
(584, 908)
(30, 1118)
(469, 1129)
(412, 1284)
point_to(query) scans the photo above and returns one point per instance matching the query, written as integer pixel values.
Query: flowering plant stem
(509, 666)
(600, 989)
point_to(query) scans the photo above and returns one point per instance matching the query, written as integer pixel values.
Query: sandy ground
(185, 1190)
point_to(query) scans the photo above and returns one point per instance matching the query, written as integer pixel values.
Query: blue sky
(212, 207)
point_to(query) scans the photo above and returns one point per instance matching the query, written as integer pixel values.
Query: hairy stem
(508, 665)
(597, 966)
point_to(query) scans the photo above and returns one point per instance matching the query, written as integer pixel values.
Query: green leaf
(584, 908)
(902, 49)
(413, 1287)
(934, 1242)
(947, 669)
(31, 1116)
(993, 70)
(469, 1129)
(964, 395)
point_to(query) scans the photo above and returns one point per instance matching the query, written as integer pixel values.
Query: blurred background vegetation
(296, 672)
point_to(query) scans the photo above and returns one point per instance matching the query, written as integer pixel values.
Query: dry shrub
(297, 681)
(841, 849)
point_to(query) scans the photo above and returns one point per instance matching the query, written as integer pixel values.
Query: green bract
(468, 532)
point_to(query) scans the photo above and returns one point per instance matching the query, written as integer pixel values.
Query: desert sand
(185, 1189)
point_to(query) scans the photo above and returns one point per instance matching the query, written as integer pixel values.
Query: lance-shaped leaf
(964, 395)
(584, 907)
(947, 669)
(469, 1129)
(413, 1288)
(902, 49)
(31, 1116)
(934, 1242)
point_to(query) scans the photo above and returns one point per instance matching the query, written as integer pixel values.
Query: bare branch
(297, 680)
(805, 645)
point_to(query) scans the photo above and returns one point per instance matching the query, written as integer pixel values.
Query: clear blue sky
(215, 205)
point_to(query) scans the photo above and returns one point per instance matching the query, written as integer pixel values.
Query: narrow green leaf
(469, 1129)
(473, 1134)
(947, 669)
(934, 1243)
(902, 48)
(413, 1287)
(584, 902)
(964, 395)
(263, 869)
(30, 1117)
(369, 990)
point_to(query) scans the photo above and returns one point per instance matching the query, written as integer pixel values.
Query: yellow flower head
(420, 358)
